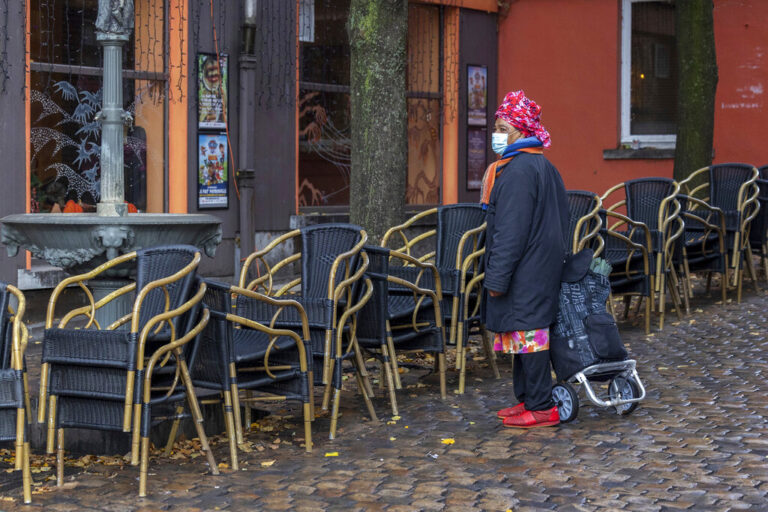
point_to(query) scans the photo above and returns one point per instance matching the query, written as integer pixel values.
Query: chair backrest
(580, 203)
(321, 245)
(6, 328)
(763, 172)
(725, 180)
(159, 262)
(452, 222)
(371, 320)
(644, 197)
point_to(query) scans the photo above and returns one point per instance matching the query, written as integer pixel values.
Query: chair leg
(308, 417)
(724, 288)
(236, 414)
(688, 283)
(673, 293)
(334, 413)
(639, 305)
(363, 371)
(390, 381)
(143, 467)
(739, 281)
(393, 361)
(662, 302)
(627, 305)
(366, 398)
(51, 440)
(248, 412)
(59, 457)
(174, 431)
(489, 353)
(648, 302)
(20, 435)
(751, 269)
(764, 260)
(441, 365)
(709, 278)
(43, 398)
(26, 474)
(610, 305)
(229, 419)
(27, 402)
(463, 372)
(136, 435)
(197, 416)
(328, 386)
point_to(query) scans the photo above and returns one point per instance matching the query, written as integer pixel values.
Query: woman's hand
(494, 294)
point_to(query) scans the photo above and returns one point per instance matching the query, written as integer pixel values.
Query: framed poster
(477, 95)
(477, 149)
(212, 176)
(211, 91)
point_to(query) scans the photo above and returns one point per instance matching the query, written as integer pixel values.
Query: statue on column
(115, 18)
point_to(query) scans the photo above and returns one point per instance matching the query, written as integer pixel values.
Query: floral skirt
(522, 342)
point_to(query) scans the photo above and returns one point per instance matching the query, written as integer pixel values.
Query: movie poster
(476, 157)
(212, 158)
(211, 91)
(477, 95)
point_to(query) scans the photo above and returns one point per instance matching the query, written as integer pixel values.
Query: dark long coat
(526, 244)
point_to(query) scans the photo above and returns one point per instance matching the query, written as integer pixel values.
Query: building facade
(224, 110)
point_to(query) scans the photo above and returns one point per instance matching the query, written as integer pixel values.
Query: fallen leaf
(393, 439)
(331, 454)
(267, 463)
(448, 441)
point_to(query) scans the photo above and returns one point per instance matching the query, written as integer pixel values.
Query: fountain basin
(79, 242)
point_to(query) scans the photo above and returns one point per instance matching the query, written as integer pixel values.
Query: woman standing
(527, 215)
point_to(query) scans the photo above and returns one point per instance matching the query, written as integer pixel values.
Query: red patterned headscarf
(525, 115)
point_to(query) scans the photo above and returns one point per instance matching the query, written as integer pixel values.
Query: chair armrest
(279, 304)
(411, 261)
(80, 280)
(471, 234)
(634, 225)
(635, 247)
(400, 231)
(20, 334)
(345, 258)
(688, 182)
(260, 256)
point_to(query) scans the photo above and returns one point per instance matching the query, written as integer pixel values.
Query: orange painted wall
(565, 55)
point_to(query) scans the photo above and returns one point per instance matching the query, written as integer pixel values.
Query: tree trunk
(697, 83)
(378, 31)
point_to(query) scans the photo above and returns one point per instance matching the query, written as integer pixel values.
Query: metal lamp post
(114, 25)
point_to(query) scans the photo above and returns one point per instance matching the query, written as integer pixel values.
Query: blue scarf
(514, 148)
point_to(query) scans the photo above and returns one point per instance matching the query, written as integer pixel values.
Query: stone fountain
(78, 242)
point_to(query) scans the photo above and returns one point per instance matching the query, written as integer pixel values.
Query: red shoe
(511, 411)
(533, 419)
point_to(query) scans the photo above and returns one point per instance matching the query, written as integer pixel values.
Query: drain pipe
(246, 174)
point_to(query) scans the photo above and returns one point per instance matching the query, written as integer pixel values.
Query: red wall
(565, 55)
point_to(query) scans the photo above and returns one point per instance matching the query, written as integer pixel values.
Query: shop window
(65, 96)
(648, 74)
(324, 109)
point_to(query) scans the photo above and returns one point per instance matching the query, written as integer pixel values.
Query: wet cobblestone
(698, 442)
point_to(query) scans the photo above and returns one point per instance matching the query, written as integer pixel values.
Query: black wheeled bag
(585, 333)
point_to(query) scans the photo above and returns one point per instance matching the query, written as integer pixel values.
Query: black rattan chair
(235, 353)
(14, 394)
(330, 267)
(584, 221)
(701, 248)
(758, 233)
(455, 247)
(732, 188)
(652, 202)
(401, 316)
(122, 379)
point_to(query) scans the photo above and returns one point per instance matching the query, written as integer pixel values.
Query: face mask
(499, 142)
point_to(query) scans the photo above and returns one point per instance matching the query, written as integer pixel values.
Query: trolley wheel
(624, 388)
(567, 401)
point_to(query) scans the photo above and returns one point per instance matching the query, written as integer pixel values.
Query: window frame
(626, 137)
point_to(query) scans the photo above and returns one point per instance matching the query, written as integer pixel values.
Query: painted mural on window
(65, 146)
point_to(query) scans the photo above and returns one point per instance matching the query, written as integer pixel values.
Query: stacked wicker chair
(456, 247)
(401, 315)
(123, 376)
(758, 233)
(235, 353)
(14, 395)
(584, 221)
(733, 189)
(332, 266)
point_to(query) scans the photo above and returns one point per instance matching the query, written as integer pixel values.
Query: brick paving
(698, 442)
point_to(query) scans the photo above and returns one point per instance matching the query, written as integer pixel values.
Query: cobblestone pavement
(698, 442)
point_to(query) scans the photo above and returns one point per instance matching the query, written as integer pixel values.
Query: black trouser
(532, 379)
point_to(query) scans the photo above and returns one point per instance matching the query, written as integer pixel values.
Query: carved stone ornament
(112, 239)
(115, 19)
(210, 243)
